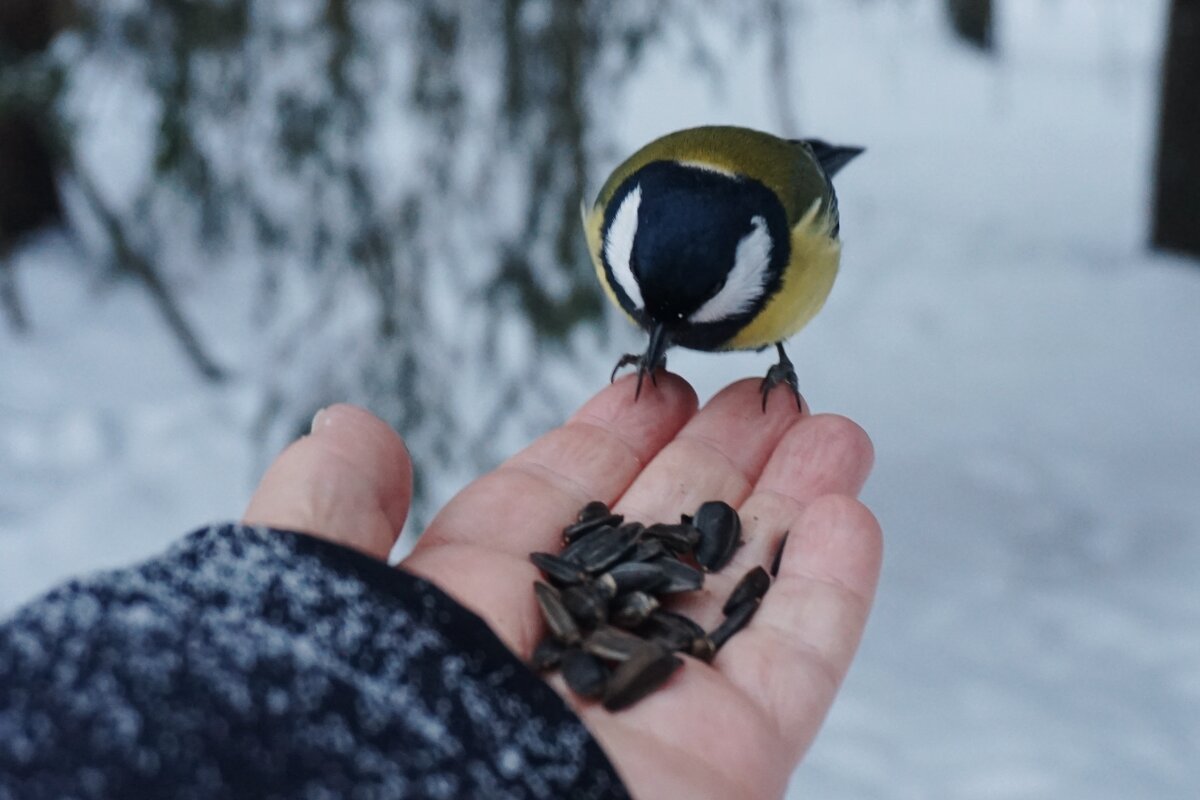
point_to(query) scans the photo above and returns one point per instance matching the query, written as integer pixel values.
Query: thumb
(348, 481)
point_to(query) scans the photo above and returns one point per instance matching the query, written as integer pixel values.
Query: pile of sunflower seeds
(604, 593)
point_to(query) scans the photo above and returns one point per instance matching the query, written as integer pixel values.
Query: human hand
(734, 728)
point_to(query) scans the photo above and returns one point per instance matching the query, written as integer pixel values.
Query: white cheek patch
(618, 245)
(708, 168)
(747, 280)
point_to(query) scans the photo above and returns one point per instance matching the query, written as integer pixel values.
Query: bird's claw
(784, 373)
(642, 370)
(625, 361)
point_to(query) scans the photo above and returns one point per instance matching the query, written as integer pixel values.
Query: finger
(524, 503)
(717, 456)
(793, 655)
(348, 481)
(825, 454)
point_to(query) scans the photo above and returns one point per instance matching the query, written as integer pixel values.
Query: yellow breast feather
(807, 281)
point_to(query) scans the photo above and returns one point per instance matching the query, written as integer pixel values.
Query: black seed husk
(560, 571)
(631, 610)
(600, 549)
(681, 577)
(720, 534)
(675, 631)
(583, 541)
(577, 530)
(734, 621)
(680, 538)
(548, 654)
(778, 559)
(586, 604)
(673, 641)
(646, 550)
(674, 619)
(605, 585)
(633, 576)
(633, 528)
(584, 673)
(612, 644)
(574, 533)
(558, 619)
(593, 510)
(601, 599)
(703, 648)
(752, 586)
(648, 669)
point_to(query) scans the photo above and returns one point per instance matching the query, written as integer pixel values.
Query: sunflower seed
(593, 510)
(584, 673)
(577, 530)
(644, 672)
(675, 631)
(680, 538)
(720, 534)
(586, 603)
(778, 559)
(548, 654)
(703, 648)
(586, 542)
(752, 586)
(633, 576)
(560, 571)
(558, 618)
(600, 549)
(734, 621)
(631, 610)
(646, 550)
(605, 585)
(601, 600)
(635, 529)
(681, 577)
(612, 643)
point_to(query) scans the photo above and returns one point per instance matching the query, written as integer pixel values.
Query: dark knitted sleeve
(248, 662)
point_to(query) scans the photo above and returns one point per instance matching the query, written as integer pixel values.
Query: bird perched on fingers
(719, 238)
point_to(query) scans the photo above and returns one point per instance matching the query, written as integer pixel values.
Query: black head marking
(690, 221)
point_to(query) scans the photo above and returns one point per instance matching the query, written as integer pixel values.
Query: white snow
(1028, 371)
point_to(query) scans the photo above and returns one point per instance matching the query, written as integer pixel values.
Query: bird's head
(693, 252)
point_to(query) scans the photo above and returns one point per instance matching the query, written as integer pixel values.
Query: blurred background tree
(1176, 215)
(402, 179)
(28, 194)
(972, 21)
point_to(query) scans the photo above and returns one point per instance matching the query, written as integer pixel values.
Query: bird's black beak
(654, 358)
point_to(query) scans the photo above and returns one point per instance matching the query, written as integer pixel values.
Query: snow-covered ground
(1028, 372)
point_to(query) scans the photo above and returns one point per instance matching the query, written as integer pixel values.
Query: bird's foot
(642, 369)
(784, 373)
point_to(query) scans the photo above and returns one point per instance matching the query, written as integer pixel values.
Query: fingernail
(316, 420)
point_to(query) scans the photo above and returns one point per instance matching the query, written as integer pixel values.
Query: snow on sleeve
(252, 662)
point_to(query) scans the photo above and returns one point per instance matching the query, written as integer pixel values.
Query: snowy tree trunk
(28, 195)
(972, 21)
(1177, 192)
(28, 200)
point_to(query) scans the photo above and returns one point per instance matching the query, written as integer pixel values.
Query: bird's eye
(717, 287)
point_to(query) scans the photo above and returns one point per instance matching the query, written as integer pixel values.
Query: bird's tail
(831, 157)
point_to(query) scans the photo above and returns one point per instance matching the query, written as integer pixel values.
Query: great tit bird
(719, 238)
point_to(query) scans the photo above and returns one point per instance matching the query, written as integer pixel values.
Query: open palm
(733, 728)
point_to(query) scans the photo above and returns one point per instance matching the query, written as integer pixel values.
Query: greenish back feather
(787, 168)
